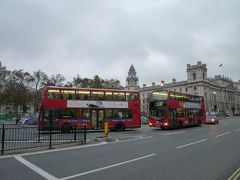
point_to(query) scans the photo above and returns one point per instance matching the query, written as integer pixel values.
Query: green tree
(3, 75)
(57, 80)
(112, 84)
(40, 80)
(96, 82)
(18, 89)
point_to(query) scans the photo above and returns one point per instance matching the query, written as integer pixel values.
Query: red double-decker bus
(67, 107)
(169, 109)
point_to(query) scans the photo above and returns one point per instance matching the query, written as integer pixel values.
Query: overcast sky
(104, 37)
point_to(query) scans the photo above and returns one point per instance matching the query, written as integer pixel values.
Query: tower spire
(132, 79)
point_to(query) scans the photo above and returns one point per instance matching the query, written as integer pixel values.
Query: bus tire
(120, 127)
(66, 128)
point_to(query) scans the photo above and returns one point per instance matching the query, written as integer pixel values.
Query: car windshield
(211, 114)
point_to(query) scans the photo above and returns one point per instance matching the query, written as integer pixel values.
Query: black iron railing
(16, 137)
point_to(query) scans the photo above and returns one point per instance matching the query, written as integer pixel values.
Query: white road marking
(128, 140)
(178, 132)
(222, 134)
(35, 168)
(235, 175)
(133, 137)
(237, 130)
(108, 167)
(189, 144)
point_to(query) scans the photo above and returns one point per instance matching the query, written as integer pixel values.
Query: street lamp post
(214, 96)
(161, 84)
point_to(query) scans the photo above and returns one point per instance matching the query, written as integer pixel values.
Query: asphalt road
(199, 153)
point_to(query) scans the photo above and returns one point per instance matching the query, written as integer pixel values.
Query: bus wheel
(66, 128)
(119, 127)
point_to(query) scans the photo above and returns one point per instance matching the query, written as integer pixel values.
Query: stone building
(132, 79)
(220, 93)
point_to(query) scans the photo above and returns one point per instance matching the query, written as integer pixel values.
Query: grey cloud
(106, 37)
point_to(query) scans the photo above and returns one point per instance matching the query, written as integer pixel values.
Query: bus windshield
(158, 109)
(159, 95)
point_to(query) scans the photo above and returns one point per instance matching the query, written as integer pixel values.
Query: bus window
(68, 114)
(82, 95)
(97, 95)
(131, 96)
(68, 94)
(53, 94)
(85, 113)
(108, 113)
(127, 114)
(117, 114)
(180, 112)
(108, 96)
(119, 96)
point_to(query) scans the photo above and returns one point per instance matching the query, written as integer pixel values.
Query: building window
(195, 88)
(194, 76)
(186, 89)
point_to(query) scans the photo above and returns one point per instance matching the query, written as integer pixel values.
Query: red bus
(169, 109)
(68, 107)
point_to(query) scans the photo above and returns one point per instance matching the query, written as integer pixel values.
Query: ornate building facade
(132, 79)
(220, 93)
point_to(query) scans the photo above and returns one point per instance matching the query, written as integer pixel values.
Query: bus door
(191, 116)
(50, 118)
(97, 116)
(173, 117)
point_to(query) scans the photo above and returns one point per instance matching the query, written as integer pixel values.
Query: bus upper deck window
(53, 94)
(132, 96)
(82, 95)
(65, 94)
(119, 96)
(97, 95)
(108, 96)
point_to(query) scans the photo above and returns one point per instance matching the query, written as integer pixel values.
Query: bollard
(106, 128)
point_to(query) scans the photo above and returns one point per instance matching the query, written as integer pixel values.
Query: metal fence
(16, 137)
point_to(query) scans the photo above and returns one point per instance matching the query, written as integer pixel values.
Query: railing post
(39, 131)
(3, 138)
(50, 138)
(50, 135)
(85, 134)
(75, 134)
